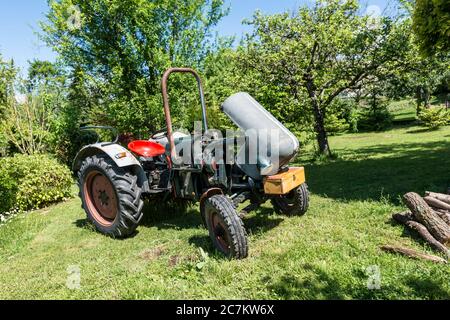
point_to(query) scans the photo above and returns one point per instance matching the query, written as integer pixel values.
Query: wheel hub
(101, 198)
(220, 233)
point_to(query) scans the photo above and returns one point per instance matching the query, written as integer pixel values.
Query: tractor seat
(146, 148)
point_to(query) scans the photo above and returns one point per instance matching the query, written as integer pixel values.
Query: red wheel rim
(219, 231)
(101, 199)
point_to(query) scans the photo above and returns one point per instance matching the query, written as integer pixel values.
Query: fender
(121, 156)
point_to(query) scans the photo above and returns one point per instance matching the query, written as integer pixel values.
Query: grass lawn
(325, 254)
(403, 110)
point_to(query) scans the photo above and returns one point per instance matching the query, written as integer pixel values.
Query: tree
(127, 44)
(432, 25)
(323, 52)
(8, 74)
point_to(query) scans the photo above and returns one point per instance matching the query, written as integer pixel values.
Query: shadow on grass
(422, 130)
(317, 285)
(411, 167)
(426, 287)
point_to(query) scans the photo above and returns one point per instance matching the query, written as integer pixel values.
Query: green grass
(403, 110)
(322, 255)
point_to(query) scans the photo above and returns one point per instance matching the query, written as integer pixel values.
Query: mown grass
(322, 255)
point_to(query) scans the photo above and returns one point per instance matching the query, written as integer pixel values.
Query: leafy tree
(432, 25)
(323, 51)
(27, 125)
(8, 74)
(127, 44)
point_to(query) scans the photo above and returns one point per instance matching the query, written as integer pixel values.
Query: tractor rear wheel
(111, 196)
(225, 227)
(296, 202)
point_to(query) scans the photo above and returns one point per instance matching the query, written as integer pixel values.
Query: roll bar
(165, 95)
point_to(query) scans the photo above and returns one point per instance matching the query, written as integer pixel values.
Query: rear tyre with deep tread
(225, 227)
(294, 203)
(110, 196)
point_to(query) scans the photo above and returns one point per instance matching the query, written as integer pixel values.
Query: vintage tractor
(115, 181)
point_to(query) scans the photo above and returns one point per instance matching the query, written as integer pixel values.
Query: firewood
(440, 196)
(426, 235)
(403, 217)
(406, 218)
(435, 203)
(426, 216)
(444, 214)
(412, 253)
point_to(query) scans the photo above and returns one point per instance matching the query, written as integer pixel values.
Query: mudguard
(121, 156)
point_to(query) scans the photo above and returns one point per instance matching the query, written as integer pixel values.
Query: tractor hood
(251, 117)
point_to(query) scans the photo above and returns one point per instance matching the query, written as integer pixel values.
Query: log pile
(429, 217)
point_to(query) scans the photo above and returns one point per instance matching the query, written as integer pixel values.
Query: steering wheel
(159, 134)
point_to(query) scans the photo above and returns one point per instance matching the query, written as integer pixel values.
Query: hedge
(31, 182)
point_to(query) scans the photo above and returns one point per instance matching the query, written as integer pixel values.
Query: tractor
(114, 181)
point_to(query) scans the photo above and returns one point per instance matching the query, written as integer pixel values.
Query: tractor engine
(157, 171)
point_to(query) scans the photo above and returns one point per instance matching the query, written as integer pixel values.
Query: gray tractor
(220, 173)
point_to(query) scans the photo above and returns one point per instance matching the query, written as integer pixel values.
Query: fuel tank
(252, 118)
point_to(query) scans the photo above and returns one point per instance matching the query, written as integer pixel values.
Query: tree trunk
(430, 219)
(435, 203)
(319, 117)
(440, 196)
(418, 100)
(413, 253)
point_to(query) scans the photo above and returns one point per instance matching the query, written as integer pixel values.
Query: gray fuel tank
(248, 114)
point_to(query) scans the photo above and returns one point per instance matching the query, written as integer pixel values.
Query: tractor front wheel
(225, 227)
(295, 202)
(111, 196)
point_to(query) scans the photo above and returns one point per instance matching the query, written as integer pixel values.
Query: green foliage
(432, 25)
(126, 45)
(434, 118)
(30, 182)
(8, 74)
(322, 51)
(334, 125)
(376, 118)
(26, 124)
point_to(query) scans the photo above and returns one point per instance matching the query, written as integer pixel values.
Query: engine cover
(248, 114)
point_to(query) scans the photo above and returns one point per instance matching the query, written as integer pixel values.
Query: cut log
(440, 196)
(413, 253)
(403, 217)
(444, 214)
(435, 203)
(426, 235)
(426, 216)
(406, 218)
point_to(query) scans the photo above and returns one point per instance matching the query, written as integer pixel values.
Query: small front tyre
(296, 202)
(111, 196)
(225, 227)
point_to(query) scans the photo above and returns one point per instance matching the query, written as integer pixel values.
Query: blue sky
(19, 22)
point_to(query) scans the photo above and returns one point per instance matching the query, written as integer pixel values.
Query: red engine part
(146, 148)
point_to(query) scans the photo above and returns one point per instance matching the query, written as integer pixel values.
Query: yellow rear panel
(284, 182)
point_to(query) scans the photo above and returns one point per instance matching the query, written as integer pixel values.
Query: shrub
(32, 181)
(434, 118)
(375, 119)
(334, 125)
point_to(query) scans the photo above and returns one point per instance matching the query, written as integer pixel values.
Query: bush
(375, 119)
(31, 182)
(334, 125)
(434, 118)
